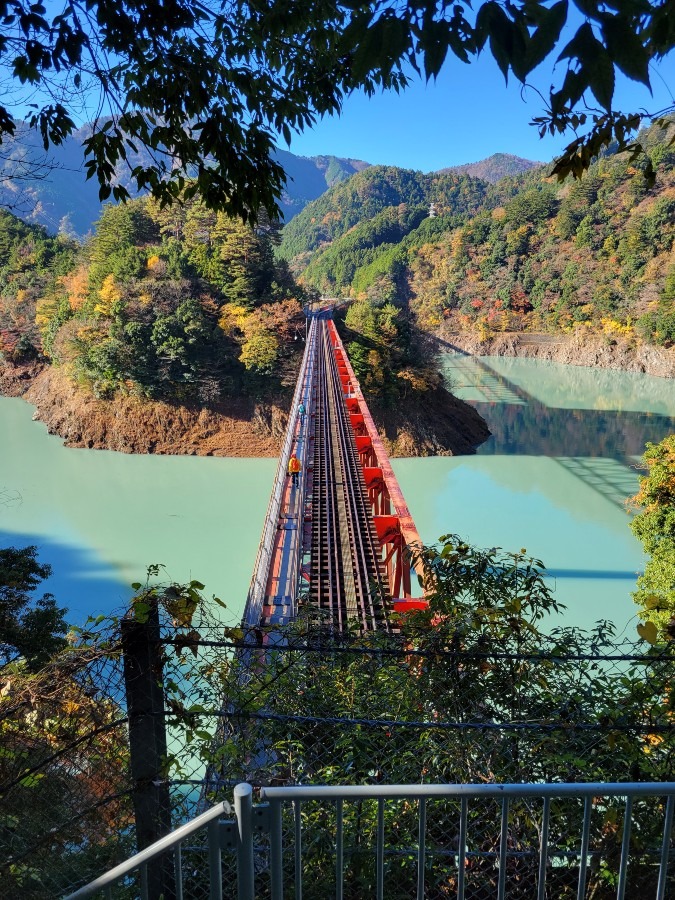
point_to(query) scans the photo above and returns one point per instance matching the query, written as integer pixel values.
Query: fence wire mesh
(303, 704)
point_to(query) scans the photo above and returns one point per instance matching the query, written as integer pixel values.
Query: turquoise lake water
(553, 479)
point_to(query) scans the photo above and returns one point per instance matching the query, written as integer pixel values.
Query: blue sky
(468, 114)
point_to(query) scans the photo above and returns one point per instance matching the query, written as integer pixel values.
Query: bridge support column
(380, 504)
(395, 558)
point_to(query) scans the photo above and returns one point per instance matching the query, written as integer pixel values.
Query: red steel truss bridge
(339, 540)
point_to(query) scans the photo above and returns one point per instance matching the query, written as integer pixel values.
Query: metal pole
(215, 862)
(243, 808)
(380, 850)
(665, 848)
(276, 860)
(421, 847)
(143, 681)
(625, 849)
(543, 849)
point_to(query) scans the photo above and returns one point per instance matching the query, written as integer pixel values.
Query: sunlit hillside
(526, 253)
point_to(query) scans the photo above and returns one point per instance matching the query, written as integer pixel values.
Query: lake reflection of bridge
(601, 447)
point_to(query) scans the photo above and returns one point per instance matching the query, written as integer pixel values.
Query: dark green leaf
(626, 48)
(546, 35)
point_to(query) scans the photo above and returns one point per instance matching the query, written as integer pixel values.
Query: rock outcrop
(434, 423)
(130, 425)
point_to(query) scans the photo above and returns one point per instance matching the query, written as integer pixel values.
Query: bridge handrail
(256, 591)
(406, 522)
(430, 791)
(506, 794)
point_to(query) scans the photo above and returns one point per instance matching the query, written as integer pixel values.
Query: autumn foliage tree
(63, 779)
(186, 305)
(64, 783)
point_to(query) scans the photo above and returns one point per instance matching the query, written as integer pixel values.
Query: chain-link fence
(154, 727)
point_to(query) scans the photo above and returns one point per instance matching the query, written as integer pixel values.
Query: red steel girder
(372, 455)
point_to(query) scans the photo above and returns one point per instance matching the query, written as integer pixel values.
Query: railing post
(243, 808)
(215, 861)
(276, 859)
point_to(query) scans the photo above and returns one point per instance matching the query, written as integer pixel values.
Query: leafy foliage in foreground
(64, 782)
(63, 776)
(477, 689)
(655, 528)
(206, 88)
(474, 689)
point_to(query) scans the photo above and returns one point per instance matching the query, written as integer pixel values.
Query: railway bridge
(339, 540)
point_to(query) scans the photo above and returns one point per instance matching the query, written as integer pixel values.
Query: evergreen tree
(30, 628)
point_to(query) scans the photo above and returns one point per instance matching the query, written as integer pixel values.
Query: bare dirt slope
(131, 425)
(575, 350)
(439, 424)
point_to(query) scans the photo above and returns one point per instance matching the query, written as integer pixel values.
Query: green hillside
(178, 304)
(523, 254)
(31, 266)
(369, 193)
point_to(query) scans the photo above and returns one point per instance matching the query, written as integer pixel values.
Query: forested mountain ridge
(50, 189)
(523, 254)
(309, 177)
(494, 167)
(377, 190)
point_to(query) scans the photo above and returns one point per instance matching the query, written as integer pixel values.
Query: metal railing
(222, 833)
(525, 840)
(256, 592)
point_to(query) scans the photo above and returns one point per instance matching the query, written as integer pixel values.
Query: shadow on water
(599, 447)
(599, 574)
(78, 582)
(613, 480)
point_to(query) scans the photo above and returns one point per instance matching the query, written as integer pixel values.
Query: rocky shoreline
(573, 350)
(439, 425)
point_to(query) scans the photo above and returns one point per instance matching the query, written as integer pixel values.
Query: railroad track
(347, 581)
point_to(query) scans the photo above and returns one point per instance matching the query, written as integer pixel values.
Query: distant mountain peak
(494, 167)
(337, 168)
(308, 177)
